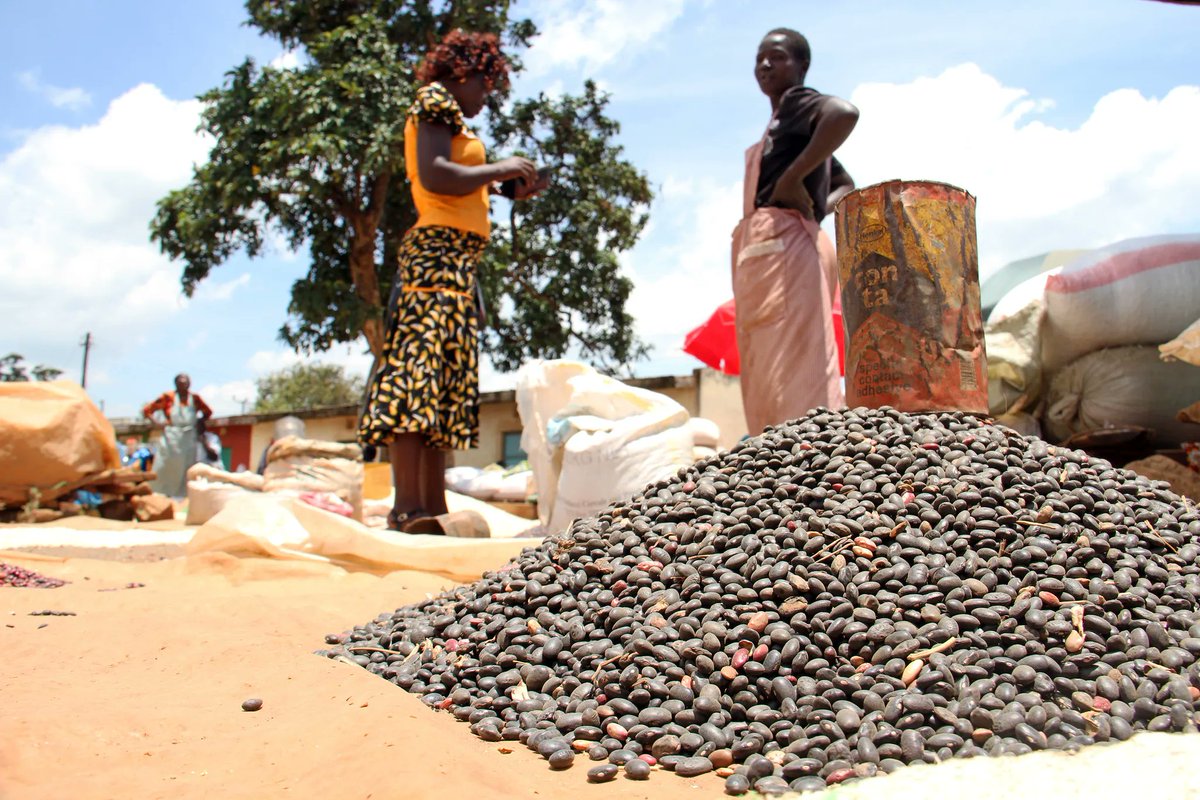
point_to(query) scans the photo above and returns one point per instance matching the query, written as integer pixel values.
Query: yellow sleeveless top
(468, 212)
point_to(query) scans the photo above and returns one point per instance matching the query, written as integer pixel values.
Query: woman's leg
(405, 453)
(433, 480)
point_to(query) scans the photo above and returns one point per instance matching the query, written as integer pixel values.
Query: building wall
(495, 419)
(720, 400)
(685, 395)
(705, 393)
(237, 438)
(325, 429)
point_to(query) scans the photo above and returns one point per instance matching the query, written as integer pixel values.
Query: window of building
(513, 454)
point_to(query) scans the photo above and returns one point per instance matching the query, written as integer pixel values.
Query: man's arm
(840, 184)
(162, 403)
(203, 415)
(835, 120)
(202, 409)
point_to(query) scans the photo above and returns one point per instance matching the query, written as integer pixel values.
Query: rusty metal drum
(909, 271)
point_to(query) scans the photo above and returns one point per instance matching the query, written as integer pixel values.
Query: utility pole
(87, 345)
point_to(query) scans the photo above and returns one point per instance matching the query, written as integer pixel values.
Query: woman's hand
(528, 190)
(522, 169)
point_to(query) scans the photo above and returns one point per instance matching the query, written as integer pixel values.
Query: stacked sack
(327, 475)
(1083, 353)
(492, 483)
(592, 440)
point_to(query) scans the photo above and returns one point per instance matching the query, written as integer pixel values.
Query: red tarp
(715, 342)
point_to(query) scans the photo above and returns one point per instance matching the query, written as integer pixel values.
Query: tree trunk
(365, 279)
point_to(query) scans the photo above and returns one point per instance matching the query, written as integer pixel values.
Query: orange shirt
(166, 401)
(468, 212)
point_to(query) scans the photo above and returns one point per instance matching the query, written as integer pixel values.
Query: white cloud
(1129, 169)
(555, 90)
(592, 33)
(229, 399)
(490, 380)
(354, 358)
(288, 59)
(75, 204)
(95, 377)
(265, 361)
(73, 99)
(196, 341)
(216, 291)
(696, 219)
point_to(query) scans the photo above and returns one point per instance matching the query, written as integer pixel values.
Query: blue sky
(1071, 121)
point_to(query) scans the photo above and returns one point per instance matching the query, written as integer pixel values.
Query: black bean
(637, 770)
(777, 595)
(737, 784)
(691, 767)
(603, 773)
(621, 757)
(912, 744)
(812, 783)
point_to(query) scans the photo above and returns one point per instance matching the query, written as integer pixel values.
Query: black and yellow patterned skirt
(427, 379)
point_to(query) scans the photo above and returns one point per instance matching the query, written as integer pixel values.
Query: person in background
(423, 394)
(182, 415)
(134, 452)
(784, 270)
(208, 450)
(284, 426)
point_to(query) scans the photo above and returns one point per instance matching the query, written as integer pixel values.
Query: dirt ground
(135, 554)
(139, 695)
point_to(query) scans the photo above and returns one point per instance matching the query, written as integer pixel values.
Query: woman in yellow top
(423, 397)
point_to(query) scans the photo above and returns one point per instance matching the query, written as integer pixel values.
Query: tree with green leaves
(13, 369)
(305, 386)
(554, 266)
(316, 152)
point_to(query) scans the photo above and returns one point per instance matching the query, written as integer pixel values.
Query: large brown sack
(50, 432)
(153, 507)
(247, 480)
(296, 466)
(1185, 346)
(292, 446)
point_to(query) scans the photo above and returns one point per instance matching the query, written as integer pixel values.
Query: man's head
(182, 383)
(782, 61)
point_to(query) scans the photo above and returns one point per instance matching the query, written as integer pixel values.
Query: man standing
(784, 271)
(182, 415)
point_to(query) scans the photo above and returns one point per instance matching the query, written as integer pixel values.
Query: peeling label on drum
(908, 266)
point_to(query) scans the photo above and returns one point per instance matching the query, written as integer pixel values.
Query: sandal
(416, 521)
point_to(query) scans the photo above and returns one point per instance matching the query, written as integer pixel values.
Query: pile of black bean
(839, 597)
(18, 576)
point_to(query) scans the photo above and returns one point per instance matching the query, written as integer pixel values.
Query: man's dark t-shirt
(789, 133)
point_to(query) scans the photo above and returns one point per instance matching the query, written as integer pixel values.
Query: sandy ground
(139, 695)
